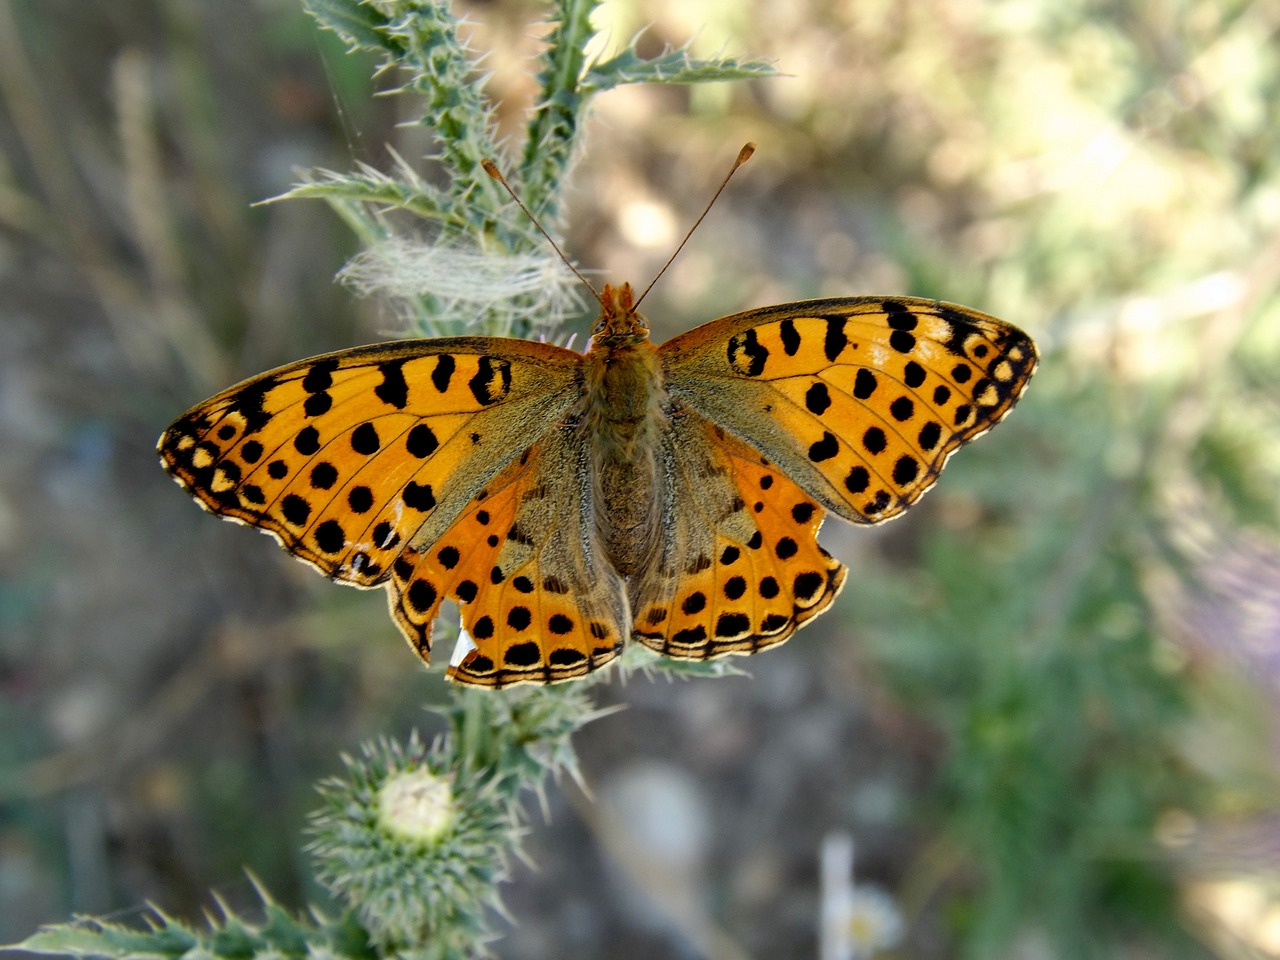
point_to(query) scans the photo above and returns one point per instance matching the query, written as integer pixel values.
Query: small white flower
(858, 920)
(416, 805)
(871, 921)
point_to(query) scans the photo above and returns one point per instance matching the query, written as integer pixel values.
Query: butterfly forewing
(860, 401)
(344, 458)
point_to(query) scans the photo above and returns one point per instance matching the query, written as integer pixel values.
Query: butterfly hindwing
(521, 561)
(345, 457)
(740, 566)
(860, 401)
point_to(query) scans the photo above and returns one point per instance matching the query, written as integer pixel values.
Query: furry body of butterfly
(625, 411)
(671, 495)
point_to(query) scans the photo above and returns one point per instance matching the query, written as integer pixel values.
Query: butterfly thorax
(623, 415)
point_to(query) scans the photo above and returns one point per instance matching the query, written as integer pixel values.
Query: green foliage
(231, 937)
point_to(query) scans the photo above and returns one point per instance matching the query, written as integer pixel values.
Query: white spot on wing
(463, 647)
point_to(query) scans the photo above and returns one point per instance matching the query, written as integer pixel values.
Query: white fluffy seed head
(537, 285)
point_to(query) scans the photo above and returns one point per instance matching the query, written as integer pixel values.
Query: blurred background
(1046, 707)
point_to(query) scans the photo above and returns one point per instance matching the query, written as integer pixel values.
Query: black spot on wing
(790, 337)
(421, 595)
(319, 376)
(732, 624)
(296, 510)
(864, 384)
(443, 372)
(817, 398)
(961, 327)
(773, 623)
(360, 499)
(522, 654)
(905, 470)
(365, 440)
(419, 496)
(317, 404)
(492, 381)
(421, 441)
(323, 475)
(902, 341)
(746, 354)
(330, 537)
(691, 637)
(899, 315)
(248, 403)
(824, 449)
(393, 390)
(835, 339)
(930, 434)
(307, 441)
(806, 585)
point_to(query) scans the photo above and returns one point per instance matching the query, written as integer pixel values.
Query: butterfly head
(618, 324)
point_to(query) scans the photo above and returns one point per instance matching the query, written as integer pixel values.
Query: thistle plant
(414, 841)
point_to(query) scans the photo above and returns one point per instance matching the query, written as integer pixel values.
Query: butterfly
(567, 502)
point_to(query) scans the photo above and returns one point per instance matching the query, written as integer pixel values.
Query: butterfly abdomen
(623, 418)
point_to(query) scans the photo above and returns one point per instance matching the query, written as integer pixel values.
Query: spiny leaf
(232, 937)
(357, 23)
(553, 128)
(371, 186)
(674, 66)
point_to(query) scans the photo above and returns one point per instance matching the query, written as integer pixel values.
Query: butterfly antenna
(492, 170)
(743, 156)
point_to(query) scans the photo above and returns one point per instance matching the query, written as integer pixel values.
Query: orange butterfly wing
(538, 600)
(740, 568)
(346, 457)
(859, 401)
